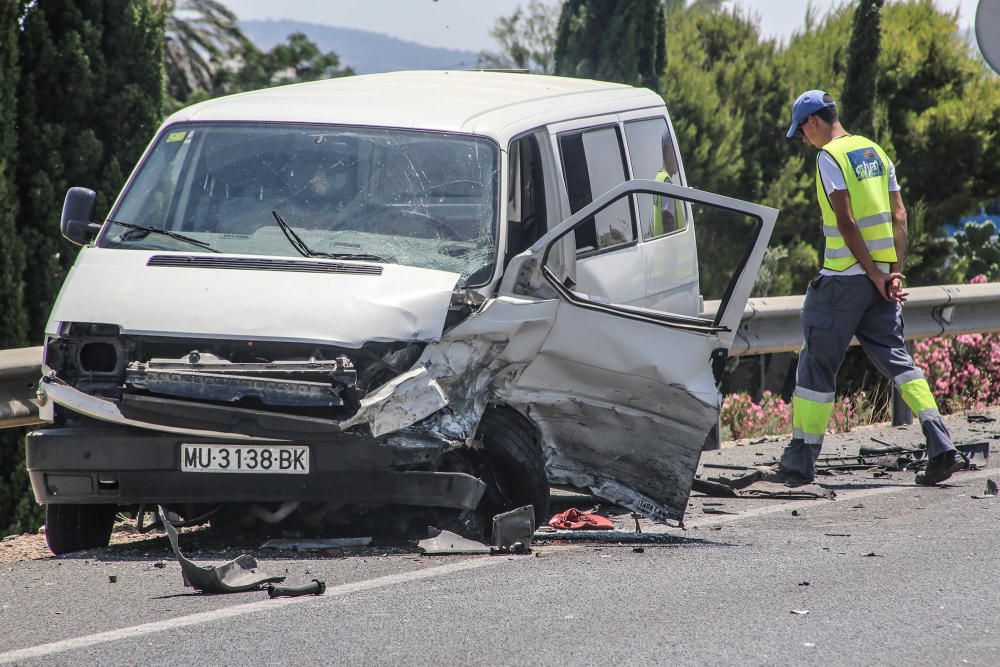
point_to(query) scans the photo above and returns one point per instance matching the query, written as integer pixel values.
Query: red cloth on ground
(574, 519)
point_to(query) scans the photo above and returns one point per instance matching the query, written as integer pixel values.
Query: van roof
(496, 104)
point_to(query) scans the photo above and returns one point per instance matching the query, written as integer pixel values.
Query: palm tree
(198, 36)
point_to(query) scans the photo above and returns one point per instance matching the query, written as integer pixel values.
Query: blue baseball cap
(806, 105)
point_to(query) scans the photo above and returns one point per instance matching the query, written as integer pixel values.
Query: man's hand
(894, 288)
(889, 285)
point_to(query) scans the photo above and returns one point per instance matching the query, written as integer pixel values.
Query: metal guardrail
(19, 373)
(772, 324)
(769, 325)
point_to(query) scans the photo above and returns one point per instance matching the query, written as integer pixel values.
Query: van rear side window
(653, 155)
(593, 163)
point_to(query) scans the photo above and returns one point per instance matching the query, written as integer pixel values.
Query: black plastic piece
(719, 356)
(315, 587)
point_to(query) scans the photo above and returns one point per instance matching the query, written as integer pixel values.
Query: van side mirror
(77, 223)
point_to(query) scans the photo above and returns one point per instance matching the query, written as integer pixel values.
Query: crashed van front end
(143, 417)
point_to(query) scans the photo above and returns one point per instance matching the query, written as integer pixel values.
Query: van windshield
(425, 199)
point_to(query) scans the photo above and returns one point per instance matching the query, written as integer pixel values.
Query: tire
(516, 465)
(70, 528)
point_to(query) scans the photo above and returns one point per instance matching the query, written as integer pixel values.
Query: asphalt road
(888, 573)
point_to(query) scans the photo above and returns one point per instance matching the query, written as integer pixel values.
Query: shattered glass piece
(235, 576)
(445, 542)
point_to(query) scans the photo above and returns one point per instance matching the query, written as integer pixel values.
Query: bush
(964, 371)
(742, 417)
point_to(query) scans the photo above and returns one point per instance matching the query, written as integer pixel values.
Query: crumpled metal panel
(236, 576)
(402, 401)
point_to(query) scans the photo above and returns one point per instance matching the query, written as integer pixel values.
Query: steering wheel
(377, 213)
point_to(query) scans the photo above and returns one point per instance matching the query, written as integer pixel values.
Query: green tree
(857, 105)
(198, 37)
(18, 511)
(979, 249)
(611, 40)
(295, 61)
(527, 39)
(13, 323)
(89, 97)
(725, 88)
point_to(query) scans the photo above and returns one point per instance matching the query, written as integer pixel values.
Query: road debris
(991, 490)
(315, 587)
(881, 459)
(574, 519)
(316, 544)
(513, 530)
(236, 576)
(447, 543)
(871, 554)
(800, 612)
(979, 419)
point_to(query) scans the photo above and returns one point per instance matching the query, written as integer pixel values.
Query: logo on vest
(866, 163)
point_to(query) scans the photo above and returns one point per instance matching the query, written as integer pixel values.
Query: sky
(465, 24)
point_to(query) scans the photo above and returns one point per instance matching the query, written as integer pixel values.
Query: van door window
(593, 163)
(653, 155)
(526, 220)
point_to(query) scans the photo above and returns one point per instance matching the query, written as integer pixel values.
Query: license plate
(281, 459)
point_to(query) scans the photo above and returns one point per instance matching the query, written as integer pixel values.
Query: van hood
(208, 295)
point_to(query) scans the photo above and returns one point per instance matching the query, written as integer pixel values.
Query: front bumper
(116, 465)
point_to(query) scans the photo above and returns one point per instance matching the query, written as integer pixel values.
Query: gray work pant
(836, 309)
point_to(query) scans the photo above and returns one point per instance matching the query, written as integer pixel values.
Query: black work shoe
(779, 474)
(941, 467)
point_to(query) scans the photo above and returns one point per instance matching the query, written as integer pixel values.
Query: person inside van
(668, 213)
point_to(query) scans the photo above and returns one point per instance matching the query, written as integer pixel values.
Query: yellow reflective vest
(680, 220)
(866, 172)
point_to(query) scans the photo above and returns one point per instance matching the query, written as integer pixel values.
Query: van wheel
(70, 528)
(515, 463)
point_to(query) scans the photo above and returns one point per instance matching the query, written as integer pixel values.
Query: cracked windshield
(422, 199)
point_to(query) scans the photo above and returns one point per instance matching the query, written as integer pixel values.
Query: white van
(441, 290)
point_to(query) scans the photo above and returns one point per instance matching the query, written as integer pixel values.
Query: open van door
(627, 397)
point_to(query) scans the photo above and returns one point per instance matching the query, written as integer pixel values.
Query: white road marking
(44, 650)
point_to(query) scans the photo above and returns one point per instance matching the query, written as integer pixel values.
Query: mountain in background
(367, 52)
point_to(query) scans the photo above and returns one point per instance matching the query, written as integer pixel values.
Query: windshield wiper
(164, 232)
(304, 250)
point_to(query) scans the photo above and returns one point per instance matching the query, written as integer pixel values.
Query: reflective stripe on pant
(811, 412)
(917, 394)
(836, 309)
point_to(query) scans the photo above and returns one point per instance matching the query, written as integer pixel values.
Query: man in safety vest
(858, 292)
(668, 213)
